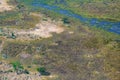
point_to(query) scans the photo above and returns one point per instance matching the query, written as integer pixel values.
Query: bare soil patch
(4, 6)
(43, 29)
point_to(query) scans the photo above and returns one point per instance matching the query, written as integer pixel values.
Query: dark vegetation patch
(43, 71)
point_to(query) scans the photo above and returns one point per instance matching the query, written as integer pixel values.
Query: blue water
(107, 25)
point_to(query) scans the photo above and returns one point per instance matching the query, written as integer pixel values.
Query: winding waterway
(106, 25)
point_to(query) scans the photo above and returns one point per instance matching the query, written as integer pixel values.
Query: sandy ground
(43, 29)
(4, 6)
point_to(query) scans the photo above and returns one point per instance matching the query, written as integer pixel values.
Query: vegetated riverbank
(100, 9)
(104, 24)
(107, 25)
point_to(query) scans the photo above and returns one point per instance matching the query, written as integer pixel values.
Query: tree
(13, 36)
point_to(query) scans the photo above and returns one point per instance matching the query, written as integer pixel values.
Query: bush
(26, 71)
(13, 36)
(65, 21)
(17, 65)
(42, 71)
(20, 6)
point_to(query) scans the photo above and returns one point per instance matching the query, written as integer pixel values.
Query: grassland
(79, 53)
(87, 53)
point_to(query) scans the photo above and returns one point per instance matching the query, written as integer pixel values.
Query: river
(104, 24)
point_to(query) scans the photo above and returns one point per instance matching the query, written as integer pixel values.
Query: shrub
(26, 71)
(20, 6)
(65, 21)
(42, 71)
(17, 65)
(13, 36)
